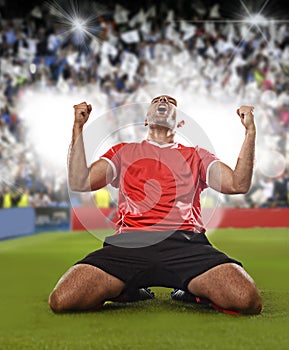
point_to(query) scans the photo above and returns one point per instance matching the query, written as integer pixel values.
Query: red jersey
(159, 185)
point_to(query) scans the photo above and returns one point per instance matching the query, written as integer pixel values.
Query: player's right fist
(81, 113)
(247, 117)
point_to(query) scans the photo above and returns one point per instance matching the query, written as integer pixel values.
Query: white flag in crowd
(108, 50)
(120, 14)
(188, 30)
(140, 17)
(129, 63)
(105, 68)
(130, 37)
(36, 12)
(181, 58)
(215, 11)
(71, 58)
(94, 46)
(151, 12)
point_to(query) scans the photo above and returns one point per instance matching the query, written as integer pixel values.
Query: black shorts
(171, 262)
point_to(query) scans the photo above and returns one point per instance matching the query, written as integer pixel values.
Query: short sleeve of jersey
(207, 159)
(112, 156)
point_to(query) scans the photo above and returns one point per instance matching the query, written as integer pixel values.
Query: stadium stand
(221, 62)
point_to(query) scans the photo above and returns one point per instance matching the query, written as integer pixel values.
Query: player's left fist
(246, 114)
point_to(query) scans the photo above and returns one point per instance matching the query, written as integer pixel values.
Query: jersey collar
(161, 145)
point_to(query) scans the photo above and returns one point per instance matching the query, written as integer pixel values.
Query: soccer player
(160, 237)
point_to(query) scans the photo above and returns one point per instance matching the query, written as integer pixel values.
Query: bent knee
(251, 302)
(55, 303)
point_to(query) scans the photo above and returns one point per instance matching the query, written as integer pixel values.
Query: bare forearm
(78, 172)
(222, 178)
(242, 174)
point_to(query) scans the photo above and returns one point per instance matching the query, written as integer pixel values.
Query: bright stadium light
(78, 24)
(79, 28)
(257, 19)
(77, 20)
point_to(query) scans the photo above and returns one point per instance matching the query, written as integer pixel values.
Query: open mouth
(162, 108)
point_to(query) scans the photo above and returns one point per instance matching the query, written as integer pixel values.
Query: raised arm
(221, 177)
(81, 177)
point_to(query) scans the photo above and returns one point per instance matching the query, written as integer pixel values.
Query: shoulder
(116, 148)
(183, 148)
(129, 145)
(193, 151)
(202, 152)
(124, 148)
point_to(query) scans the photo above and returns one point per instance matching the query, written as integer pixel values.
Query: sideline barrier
(245, 218)
(52, 219)
(92, 218)
(15, 222)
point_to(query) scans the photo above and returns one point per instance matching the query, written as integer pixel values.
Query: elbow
(241, 189)
(234, 191)
(236, 188)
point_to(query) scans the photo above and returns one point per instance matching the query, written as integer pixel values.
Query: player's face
(162, 112)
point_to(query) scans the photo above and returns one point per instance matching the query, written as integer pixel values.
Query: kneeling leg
(229, 287)
(84, 287)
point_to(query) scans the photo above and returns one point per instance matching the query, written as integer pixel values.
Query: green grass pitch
(30, 267)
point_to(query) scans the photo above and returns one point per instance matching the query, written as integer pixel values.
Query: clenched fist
(247, 117)
(81, 113)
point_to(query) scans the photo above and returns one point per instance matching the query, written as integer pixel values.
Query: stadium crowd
(192, 47)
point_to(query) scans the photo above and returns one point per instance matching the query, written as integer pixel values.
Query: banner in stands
(92, 218)
(246, 217)
(52, 219)
(16, 222)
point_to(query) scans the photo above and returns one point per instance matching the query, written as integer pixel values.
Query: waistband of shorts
(141, 239)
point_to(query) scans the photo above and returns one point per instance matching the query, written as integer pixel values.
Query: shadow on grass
(157, 305)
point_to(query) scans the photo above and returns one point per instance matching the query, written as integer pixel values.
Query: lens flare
(77, 22)
(271, 163)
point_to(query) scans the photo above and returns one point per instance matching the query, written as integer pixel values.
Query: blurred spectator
(40, 199)
(102, 198)
(15, 196)
(280, 193)
(7, 202)
(61, 195)
(24, 200)
(264, 194)
(1, 196)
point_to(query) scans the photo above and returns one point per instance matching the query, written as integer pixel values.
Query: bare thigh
(84, 287)
(230, 287)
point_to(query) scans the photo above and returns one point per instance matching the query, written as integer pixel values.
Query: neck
(160, 135)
